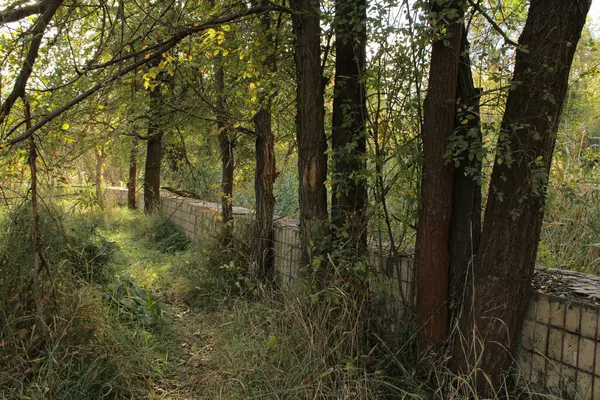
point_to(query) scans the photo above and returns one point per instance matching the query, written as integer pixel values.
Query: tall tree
(432, 243)
(468, 152)
(310, 128)
(505, 262)
(349, 136)
(265, 162)
(100, 153)
(226, 145)
(154, 151)
(132, 179)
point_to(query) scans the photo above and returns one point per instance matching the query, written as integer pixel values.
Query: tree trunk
(433, 232)
(132, 181)
(38, 260)
(265, 168)
(515, 209)
(349, 137)
(465, 228)
(265, 201)
(226, 148)
(99, 179)
(153, 154)
(310, 128)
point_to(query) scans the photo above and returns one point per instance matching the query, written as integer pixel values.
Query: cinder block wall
(559, 348)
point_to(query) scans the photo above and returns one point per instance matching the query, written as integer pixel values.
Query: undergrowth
(126, 296)
(571, 230)
(84, 328)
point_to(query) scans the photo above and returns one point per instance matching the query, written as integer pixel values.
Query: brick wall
(559, 349)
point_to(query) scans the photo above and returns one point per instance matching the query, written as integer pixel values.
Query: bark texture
(349, 136)
(265, 166)
(132, 180)
(465, 229)
(154, 154)
(515, 209)
(99, 180)
(226, 145)
(433, 232)
(310, 128)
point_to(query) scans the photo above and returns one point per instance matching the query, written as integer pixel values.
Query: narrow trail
(190, 332)
(195, 363)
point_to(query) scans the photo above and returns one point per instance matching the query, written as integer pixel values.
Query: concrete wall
(559, 348)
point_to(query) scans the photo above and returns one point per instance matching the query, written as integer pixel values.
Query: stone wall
(559, 348)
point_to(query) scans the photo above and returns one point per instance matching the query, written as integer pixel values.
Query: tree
(154, 151)
(349, 133)
(226, 145)
(265, 161)
(433, 232)
(467, 153)
(310, 128)
(132, 178)
(505, 262)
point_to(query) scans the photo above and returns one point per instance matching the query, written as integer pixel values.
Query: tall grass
(64, 338)
(571, 230)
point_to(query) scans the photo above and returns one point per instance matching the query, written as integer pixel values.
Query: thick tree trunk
(465, 229)
(99, 178)
(265, 201)
(226, 148)
(132, 180)
(515, 209)
(153, 154)
(310, 128)
(265, 168)
(349, 136)
(433, 232)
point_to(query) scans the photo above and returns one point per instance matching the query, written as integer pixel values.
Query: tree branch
(497, 27)
(37, 33)
(13, 14)
(165, 46)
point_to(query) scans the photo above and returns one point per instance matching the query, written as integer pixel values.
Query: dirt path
(195, 363)
(189, 336)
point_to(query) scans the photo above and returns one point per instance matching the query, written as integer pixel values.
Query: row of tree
(141, 65)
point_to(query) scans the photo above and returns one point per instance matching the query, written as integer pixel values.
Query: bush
(59, 337)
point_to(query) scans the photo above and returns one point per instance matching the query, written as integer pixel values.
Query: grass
(161, 318)
(571, 230)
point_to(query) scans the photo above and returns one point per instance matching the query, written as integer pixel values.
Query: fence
(559, 346)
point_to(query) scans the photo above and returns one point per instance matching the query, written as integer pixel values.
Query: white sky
(595, 10)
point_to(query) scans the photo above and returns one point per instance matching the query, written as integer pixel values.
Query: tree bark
(226, 145)
(99, 179)
(465, 228)
(265, 167)
(265, 201)
(132, 181)
(310, 128)
(515, 209)
(153, 154)
(349, 136)
(433, 232)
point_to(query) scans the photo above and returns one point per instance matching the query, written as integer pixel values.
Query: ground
(163, 263)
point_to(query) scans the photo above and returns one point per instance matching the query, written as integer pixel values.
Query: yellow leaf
(464, 121)
(147, 56)
(65, 126)
(252, 85)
